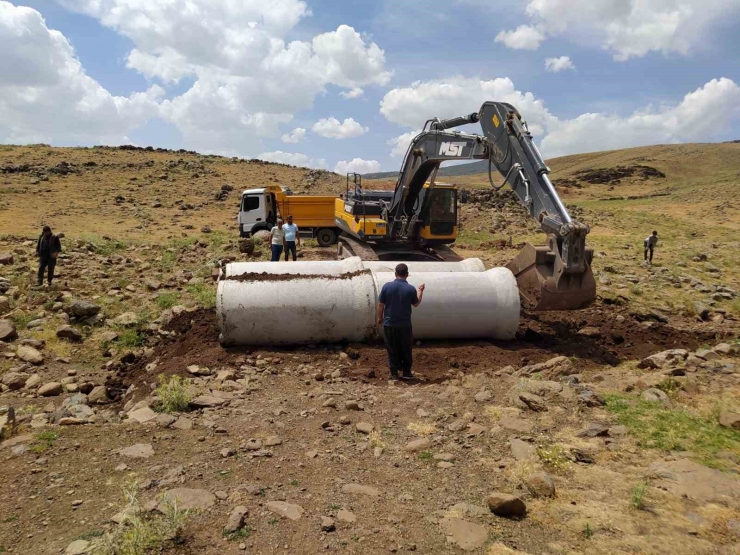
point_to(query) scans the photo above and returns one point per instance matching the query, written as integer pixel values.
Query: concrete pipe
(347, 265)
(294, 309)
(307, 267)
(467, 265)
(464, 305)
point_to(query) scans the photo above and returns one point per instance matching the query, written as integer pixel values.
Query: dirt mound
(614, 336)
(614, 176)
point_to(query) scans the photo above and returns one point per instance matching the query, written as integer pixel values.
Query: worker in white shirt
(650, 242)
(291, 237)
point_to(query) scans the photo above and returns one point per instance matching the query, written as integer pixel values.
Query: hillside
(613, 430)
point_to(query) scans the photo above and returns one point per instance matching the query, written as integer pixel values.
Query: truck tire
(326, 237)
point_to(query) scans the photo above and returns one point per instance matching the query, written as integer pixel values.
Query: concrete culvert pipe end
(256, 308)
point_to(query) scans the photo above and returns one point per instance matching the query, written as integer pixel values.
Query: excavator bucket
(544, 283)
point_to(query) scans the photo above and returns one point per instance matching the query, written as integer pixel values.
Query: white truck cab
(258, 211)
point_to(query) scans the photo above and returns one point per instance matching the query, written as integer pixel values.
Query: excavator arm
(556, 276)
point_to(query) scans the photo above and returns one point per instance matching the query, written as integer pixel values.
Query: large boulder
(503, 504)
(83, 309)
(188, 499)
(7, 331)
(662, 359)
(51, 389)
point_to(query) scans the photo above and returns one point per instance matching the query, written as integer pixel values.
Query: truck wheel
(326, 237)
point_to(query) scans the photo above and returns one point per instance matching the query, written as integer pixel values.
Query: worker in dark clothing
(47, 249)
(394, 314)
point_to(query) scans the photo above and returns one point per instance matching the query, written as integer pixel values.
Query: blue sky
(238, 78)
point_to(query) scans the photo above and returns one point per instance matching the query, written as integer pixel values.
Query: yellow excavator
(419, 218)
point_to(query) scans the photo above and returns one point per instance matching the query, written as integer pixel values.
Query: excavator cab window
(442, 215)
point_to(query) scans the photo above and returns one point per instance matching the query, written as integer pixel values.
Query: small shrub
(137, 534)
(173, 395)
(375, 439)
(638, 495)
(241, 534)
(554, 457)
(131, 337)
(421, 428)
(425, 456)
(588, 532)
(44, 441)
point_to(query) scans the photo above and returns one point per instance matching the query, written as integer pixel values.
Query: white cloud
(399, 145)
(45, 94)
(248, 77)
(357, 92)
(702, 115)
(357, 165)
(524, 38)
(295, 136)
(627, 28)
(293, 159)
(556, 65)
(331, 128)
(412, 106)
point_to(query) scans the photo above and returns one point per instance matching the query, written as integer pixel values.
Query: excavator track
(348, 246)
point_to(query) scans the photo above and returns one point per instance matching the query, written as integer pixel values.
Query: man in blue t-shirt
(394, 314)
(291, 236)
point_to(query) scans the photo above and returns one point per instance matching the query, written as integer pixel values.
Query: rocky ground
(126, 428)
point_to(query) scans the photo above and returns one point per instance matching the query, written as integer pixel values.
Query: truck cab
(258, 211)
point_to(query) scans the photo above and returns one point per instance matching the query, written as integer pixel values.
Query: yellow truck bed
(307, 211)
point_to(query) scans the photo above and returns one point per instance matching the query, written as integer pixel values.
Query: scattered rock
(687, 479)
(98, 395)
(78, 547)
(7, 423)
(83, 309)
(14, 380)
(594, 430)
(522, 451)
(327, 524)
(142, 415)
(236, 520)
(541, 485)
(7, 331)
(361, 490)
(516, 424)
(6, 258)
(188, 499)
(364, 427)
(138, 451)
(553, 368)
(655, 395)
(730, 420)
(273, 441)
(30, 355)
(418, 445)
(285, 510)
(70, 333)
(346, 516)
(51, 389)
(205, 401)
(659, 360)
(127, 319)
(466, 535)
(503, 504)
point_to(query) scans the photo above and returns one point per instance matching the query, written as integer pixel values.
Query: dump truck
(260, 209)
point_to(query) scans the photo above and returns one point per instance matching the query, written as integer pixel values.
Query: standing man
(394, 314)
(277, 241)
(48, 248)
(291, 237)
(650, 242)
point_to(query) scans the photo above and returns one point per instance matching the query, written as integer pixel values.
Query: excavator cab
(439, 216)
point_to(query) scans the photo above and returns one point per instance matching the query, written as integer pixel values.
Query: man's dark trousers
(46, 261)
(290, 248)
(399, 342)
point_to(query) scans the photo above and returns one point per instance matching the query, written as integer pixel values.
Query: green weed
(554, 457)
(166, 300)
(204, 295)
(173, 395)
(637, 499)
(425, 456)
(241, 534)
(44, 441)
(10, 518)
(657, 427)
(588, 532)
(131, 338)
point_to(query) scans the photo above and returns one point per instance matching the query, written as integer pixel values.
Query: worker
(394, 314)
(291, 237)
(277, 241)
(48, 248)
(650, 242)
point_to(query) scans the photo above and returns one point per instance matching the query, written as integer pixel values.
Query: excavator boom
(556, 276)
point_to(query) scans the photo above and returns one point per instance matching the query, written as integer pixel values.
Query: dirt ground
(618, 426)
